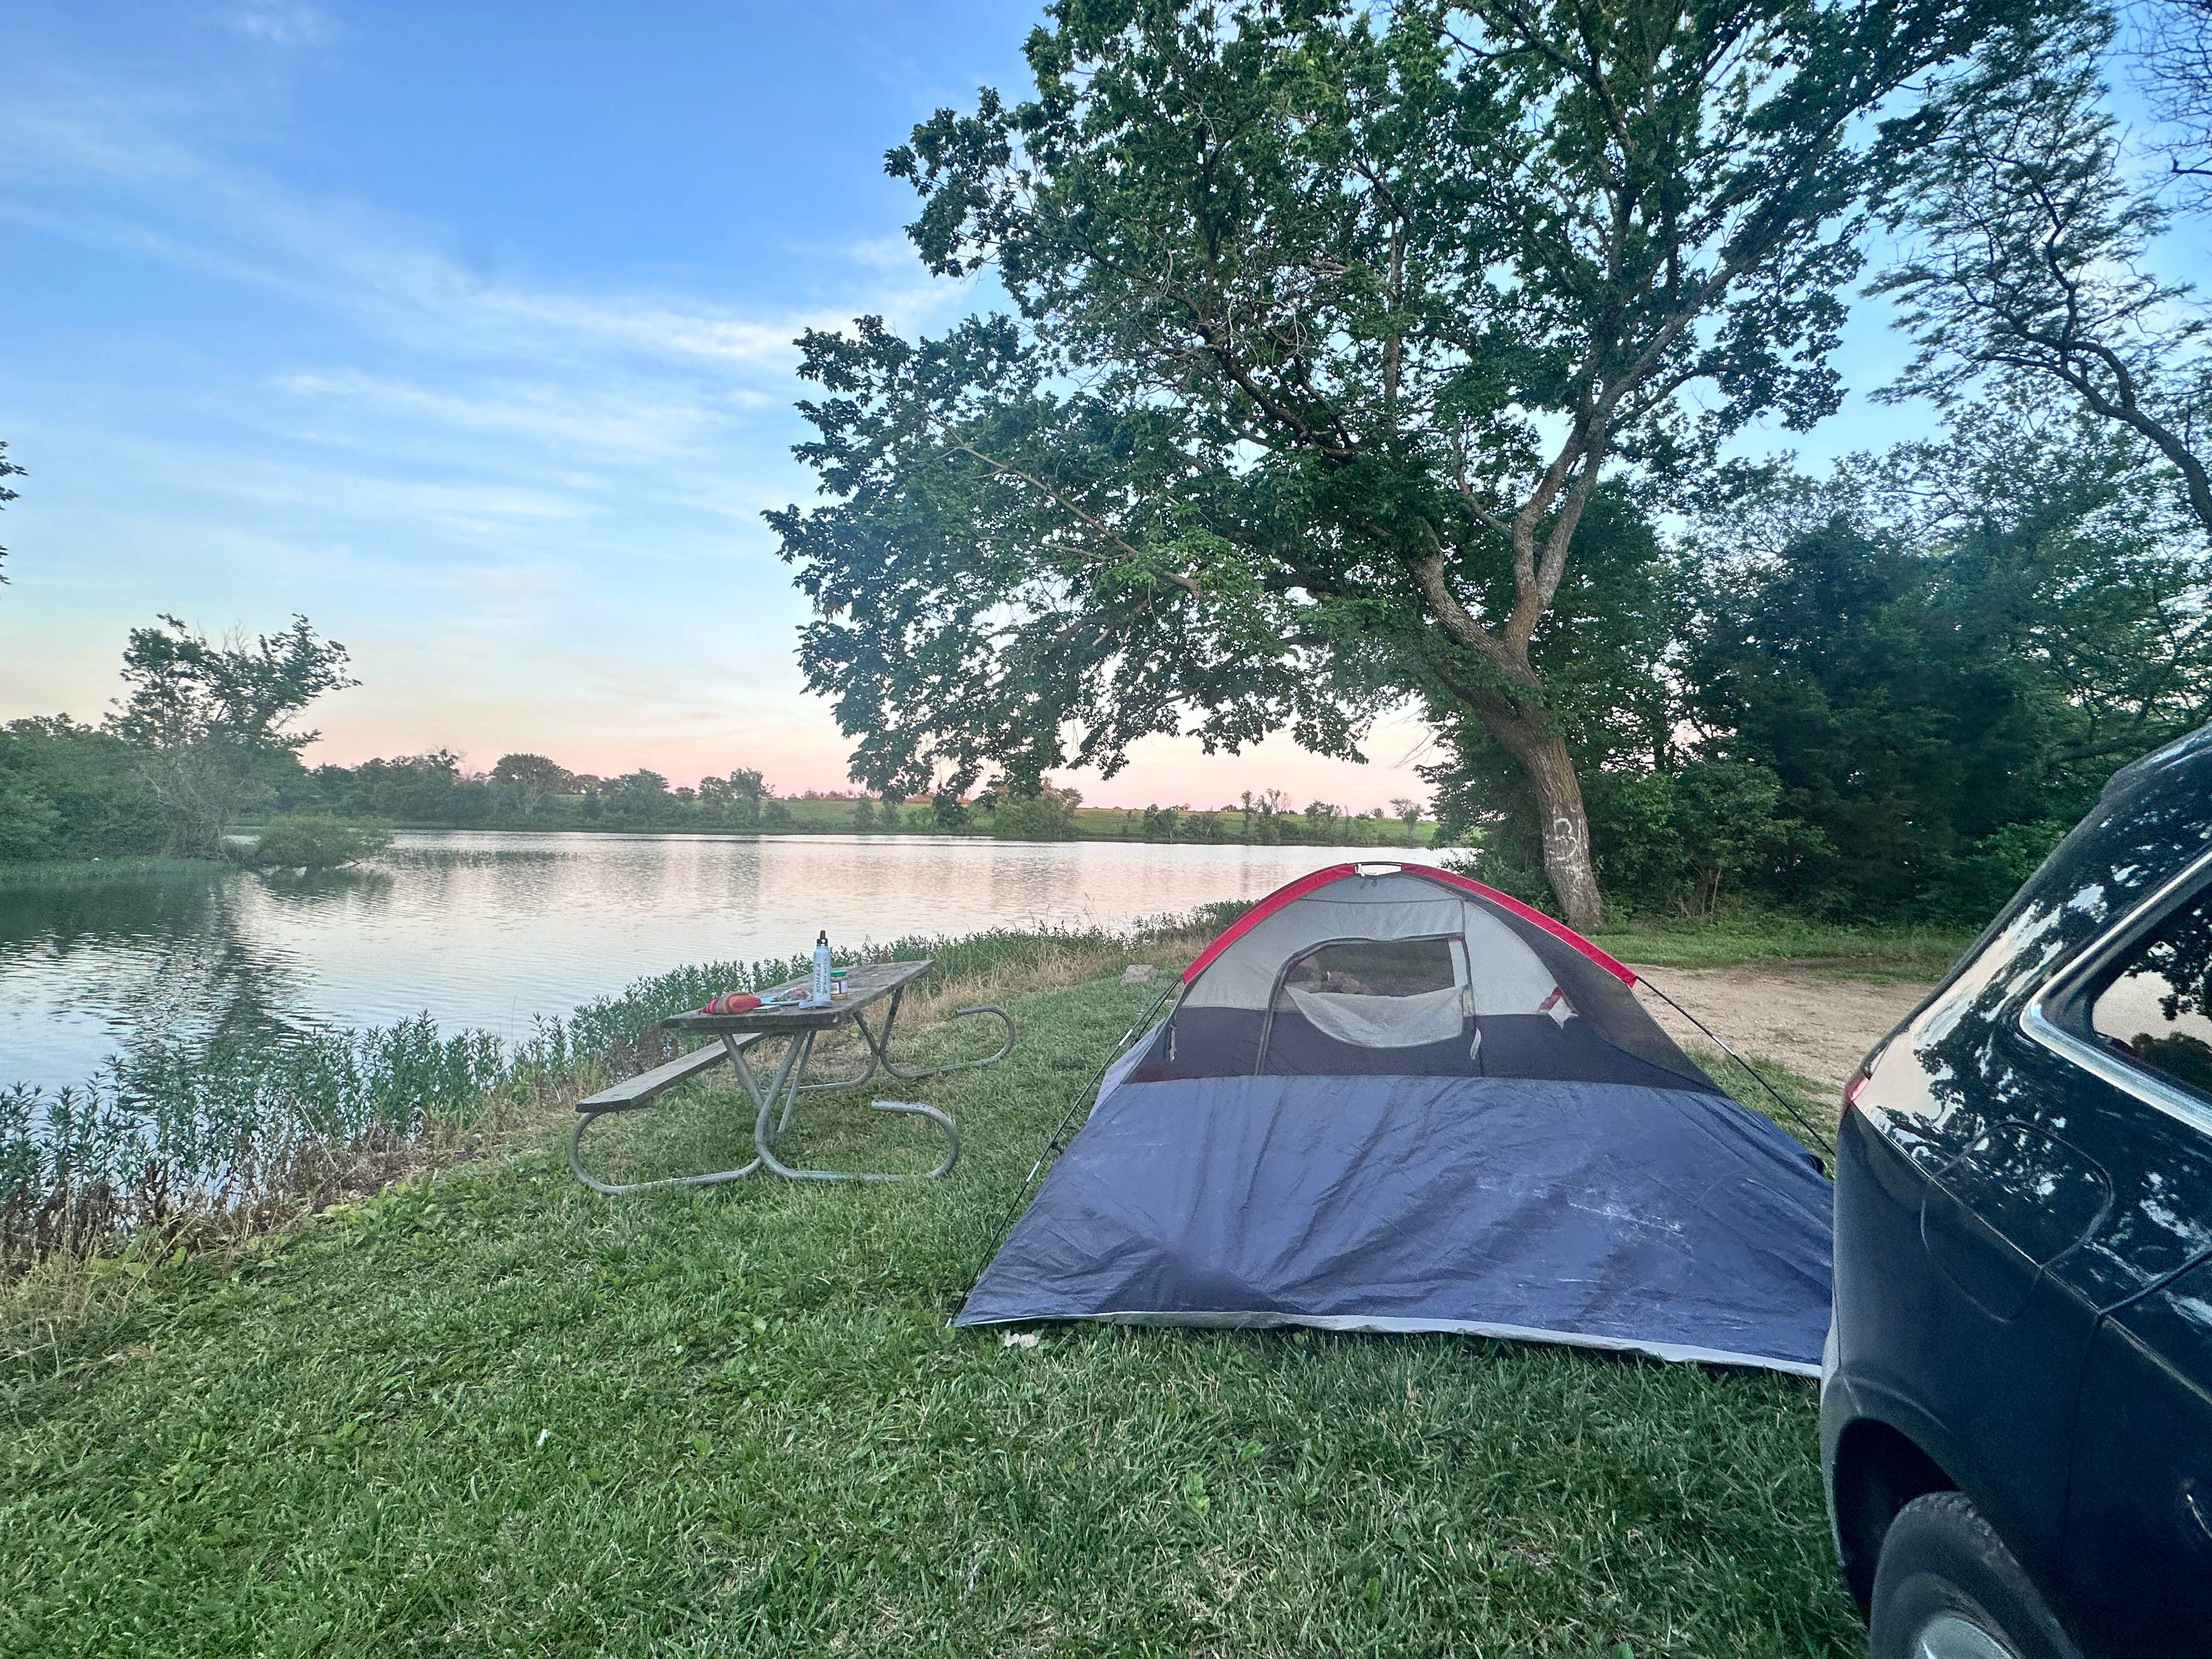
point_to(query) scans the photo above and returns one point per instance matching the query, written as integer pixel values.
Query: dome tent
(1391, 1098)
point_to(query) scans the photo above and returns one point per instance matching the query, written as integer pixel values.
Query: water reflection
(486, 928)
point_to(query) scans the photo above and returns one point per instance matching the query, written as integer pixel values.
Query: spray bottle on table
(821, 988)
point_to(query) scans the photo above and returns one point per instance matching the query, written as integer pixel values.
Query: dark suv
(2016, 1408)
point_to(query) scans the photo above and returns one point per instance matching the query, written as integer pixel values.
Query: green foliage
(1886, 693)
(8, 470)
(174, 1129)
(1046, 813)
(525, 783)
(1677, 841)
(69, 791)
(316, 840)
(1949, 652)
(1329, 323)
(737, 797)
(2037, 252)
(639, 797)
(428, 788)
(215, 721)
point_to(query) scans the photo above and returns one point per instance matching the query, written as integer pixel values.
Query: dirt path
(1815, 1024)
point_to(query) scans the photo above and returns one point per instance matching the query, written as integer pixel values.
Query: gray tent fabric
(1389, 1098)
(1667, 1222)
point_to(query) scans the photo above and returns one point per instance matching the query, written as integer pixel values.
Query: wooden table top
(870, 983)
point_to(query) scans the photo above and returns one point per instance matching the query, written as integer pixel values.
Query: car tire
(1945, 1586)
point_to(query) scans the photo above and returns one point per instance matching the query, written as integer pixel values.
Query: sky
(465, 331)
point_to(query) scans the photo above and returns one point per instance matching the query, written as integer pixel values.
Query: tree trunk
(1529, 737)
(1524, 729)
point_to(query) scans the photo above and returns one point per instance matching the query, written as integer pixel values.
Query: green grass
(58, 872)
(1891, 953)
(496, 1414)
(1805, 1104)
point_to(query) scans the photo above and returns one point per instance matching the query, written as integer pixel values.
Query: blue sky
(465, 330)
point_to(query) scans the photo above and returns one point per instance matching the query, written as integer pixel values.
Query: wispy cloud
(646, 420)
(105, 167)
(288, 23)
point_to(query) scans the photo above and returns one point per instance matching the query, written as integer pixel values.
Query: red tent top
(1304, 884)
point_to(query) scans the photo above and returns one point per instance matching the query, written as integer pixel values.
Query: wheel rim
(1954, 1636)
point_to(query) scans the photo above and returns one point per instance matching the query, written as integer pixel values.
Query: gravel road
(1816, 1024)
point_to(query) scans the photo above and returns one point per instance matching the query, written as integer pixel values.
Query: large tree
(526, 781)
(2035, 248)
(1329, 324)
(213, 720)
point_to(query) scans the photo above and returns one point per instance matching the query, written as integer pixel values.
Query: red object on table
(731, 1002)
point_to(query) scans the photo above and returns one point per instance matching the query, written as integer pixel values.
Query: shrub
(1047, 815)
(316, 840)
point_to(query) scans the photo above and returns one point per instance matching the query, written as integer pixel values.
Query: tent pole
(1797, 1116)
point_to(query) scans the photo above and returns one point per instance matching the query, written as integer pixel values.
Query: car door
(2137, 1552)
(2139, 1526)
(2047, 1194)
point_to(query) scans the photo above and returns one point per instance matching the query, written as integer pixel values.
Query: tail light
(1856, 1087)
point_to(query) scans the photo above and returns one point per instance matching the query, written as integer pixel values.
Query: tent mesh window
(1374, 994)
(1375, 967)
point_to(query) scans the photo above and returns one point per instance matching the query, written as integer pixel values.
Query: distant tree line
(531, 792)
(209, 738)
(1266, 819)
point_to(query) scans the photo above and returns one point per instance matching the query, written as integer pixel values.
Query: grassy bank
(58, 872)
(264, 1124)
(492, 1413)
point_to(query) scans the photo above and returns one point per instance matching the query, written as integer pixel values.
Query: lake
(488, 928)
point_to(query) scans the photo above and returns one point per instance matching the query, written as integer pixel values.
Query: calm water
(486, 929)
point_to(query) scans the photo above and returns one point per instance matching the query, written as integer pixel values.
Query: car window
(2158, 1007)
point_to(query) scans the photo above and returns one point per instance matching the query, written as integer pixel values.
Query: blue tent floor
(1666, 1222)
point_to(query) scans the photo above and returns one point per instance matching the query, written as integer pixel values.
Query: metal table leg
(620, 1188)
(769, 1123)
(880, 1045)
(775, 1101)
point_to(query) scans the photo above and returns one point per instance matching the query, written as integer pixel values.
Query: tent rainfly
(1391, 1098)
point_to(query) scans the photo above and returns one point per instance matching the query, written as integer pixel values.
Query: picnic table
(798, 1025)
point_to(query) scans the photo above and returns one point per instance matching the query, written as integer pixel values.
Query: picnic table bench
(799, 1025)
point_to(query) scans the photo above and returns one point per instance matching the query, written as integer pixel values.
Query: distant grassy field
(836, 817)
(496, 1413)
(1893, 952)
